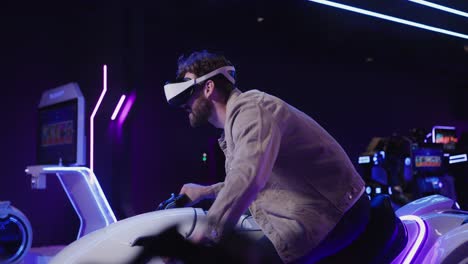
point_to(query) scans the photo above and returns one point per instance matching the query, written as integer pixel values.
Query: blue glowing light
(440, 7)
(378, 190)
(391, 18)
(368, 190)
(382, 153)
(407, 161)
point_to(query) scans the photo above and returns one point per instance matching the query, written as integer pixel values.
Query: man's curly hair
(203, 62)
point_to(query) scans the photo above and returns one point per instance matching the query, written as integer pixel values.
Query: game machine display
(445, 135)
(429, 169)
(455, 148)
(386, 168)
(61, 152)
(413, 166)
(434, 161)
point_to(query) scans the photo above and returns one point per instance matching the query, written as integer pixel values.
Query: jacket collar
(232, 98)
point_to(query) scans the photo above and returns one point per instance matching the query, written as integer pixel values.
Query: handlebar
(175, 201)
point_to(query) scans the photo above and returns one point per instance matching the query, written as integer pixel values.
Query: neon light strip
(91, 121)
(394, 19)
(126, 108)
(117, 108)
(445, 127)
(461, 156)
(457, 161)
(440, 7)
(364, 159)
(421, 235)
(59, 168)
(458, 158)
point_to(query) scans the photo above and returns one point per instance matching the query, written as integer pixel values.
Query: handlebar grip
(174, 201)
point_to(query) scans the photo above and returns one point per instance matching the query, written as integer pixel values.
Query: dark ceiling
(333, 34)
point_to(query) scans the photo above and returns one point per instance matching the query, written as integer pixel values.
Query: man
(296, 180)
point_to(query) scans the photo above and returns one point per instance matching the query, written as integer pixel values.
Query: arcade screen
(428, 159)
(447, 137)
(58, 133)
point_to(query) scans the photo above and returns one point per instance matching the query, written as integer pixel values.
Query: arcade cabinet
(61, 151)
(412, 166)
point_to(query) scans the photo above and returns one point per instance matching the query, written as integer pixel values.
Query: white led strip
(390, 18)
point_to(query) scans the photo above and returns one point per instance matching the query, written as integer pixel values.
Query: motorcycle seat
(381, 241)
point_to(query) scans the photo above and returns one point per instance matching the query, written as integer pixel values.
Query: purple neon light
(126, 109)
(421, 235)
(117, 108)
(91, 121)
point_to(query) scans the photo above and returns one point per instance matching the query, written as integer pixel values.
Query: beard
(201, 111)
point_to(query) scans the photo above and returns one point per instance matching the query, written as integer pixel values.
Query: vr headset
(178, 93)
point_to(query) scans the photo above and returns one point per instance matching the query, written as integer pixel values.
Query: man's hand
(196, 192)
(203, 234)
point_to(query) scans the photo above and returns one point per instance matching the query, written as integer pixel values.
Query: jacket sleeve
(256, 137)
(215, 189)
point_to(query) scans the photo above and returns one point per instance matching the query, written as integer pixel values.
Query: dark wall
(359, 77)
(45, 46)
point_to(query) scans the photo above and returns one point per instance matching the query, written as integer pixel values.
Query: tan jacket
(295, 177)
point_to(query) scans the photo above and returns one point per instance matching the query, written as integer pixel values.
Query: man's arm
(215, 189)
(257, 139)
